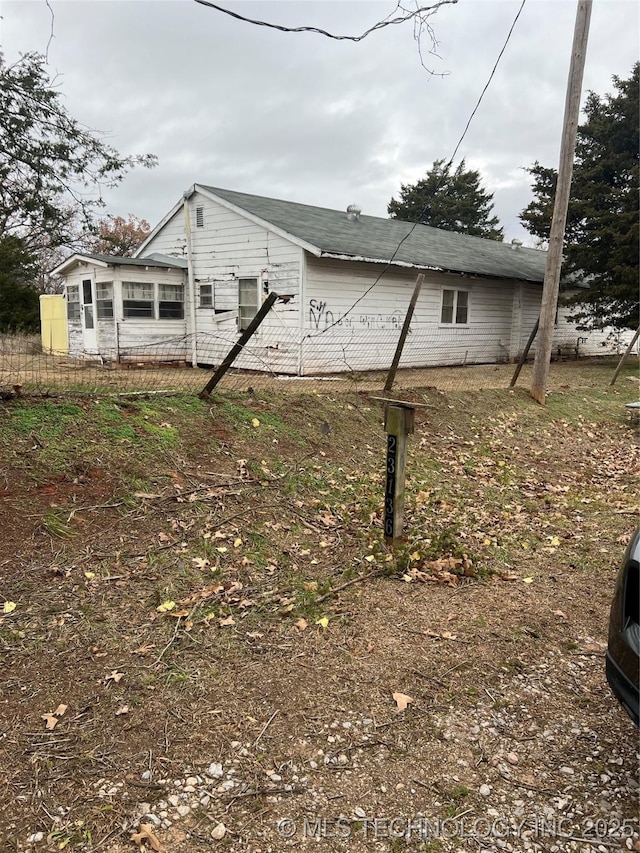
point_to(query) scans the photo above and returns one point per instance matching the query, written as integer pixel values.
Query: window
(171, 302)
(455, 307)
(199, 217)
(73, 302)
(104, 300)
(206, 296)
(137, 300)
(247, 301)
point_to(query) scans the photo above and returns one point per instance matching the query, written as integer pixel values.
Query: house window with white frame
(455, 307)
(73, 302)
(247, 301)
(206, 296)
(104, 300)
(138, 300)
(171, 302)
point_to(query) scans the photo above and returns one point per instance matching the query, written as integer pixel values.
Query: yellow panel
(53, 325)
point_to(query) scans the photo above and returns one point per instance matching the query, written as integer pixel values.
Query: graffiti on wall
(322, 317)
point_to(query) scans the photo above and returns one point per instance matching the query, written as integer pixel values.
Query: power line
(419, 14)
(493, 71)
(444, 172)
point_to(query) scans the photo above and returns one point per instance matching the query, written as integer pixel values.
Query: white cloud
(305, 118)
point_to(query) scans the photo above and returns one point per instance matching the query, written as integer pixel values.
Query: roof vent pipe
(353, 213)
(515, 243)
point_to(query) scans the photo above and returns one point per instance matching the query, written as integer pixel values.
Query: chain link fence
(345, 359)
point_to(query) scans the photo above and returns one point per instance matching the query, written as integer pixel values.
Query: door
(89, 336)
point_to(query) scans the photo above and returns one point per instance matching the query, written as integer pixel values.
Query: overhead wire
(419, 13)
(443, 173)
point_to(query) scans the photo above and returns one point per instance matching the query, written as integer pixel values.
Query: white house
(344, 282)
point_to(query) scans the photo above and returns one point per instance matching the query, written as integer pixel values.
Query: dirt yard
(206, 644)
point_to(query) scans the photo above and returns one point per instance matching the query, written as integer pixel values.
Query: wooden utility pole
(565, 170)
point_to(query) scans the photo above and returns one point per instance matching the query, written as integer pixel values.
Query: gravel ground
(542, 761)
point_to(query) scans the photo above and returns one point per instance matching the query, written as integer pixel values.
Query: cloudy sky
(305, 118)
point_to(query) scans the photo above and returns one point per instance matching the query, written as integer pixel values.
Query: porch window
(137, 300)
(104, 300)
(455, 307)
(247, 301)
(206, 296)
(73, 302)
(171, 302)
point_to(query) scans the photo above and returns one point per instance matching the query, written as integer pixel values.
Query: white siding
(345, 335)
(228, 247)
(127, 339)
(569, 340)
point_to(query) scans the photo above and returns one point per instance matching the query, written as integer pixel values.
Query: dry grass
(259, 516)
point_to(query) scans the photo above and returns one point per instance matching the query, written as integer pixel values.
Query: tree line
(52, 171)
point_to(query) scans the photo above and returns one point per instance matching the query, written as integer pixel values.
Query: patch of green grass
(239, 415)
(47, 419)
(56, 524)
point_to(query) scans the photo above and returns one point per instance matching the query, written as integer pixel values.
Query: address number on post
(390, 490)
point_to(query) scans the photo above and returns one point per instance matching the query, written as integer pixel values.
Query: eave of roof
(106, 261)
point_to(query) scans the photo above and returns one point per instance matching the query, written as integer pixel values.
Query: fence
(353, 362)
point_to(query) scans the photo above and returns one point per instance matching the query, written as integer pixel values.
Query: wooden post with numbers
(398, 423)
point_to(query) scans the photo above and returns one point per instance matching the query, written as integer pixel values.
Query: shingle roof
(375, 238)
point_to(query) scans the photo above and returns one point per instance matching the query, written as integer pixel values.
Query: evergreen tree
(452, 200)
(19, 305)
(601, 240)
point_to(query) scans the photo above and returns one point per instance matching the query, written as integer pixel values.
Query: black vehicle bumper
(624, 689)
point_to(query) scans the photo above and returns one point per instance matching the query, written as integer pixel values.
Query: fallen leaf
(255, 422)
(559, 613)
(146, 834)
(51, 721)
(219, 831)
(528, 580)
(89, 575)
(237, 542)
(123, 710)
(323, 621)
(144, 649)
(60, 710)
(302, 624)
(509, 576)
(114, 676)
(228, 621)
(402, 700)
(9, 606)
(166, 606)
